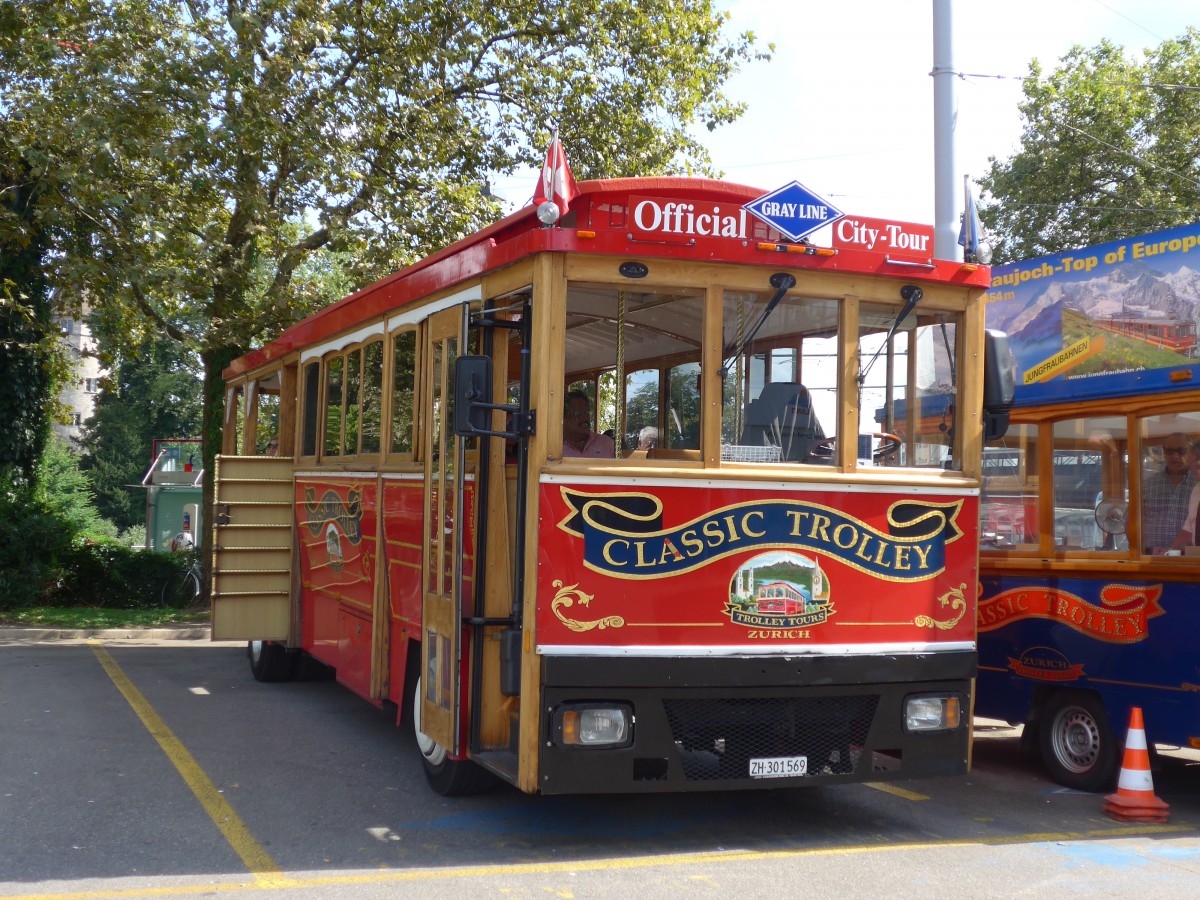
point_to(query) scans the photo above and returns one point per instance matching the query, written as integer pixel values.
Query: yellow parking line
(600, 865)
(895, 791)
(265, 870)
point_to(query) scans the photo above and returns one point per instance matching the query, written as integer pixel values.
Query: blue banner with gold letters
(623, 535)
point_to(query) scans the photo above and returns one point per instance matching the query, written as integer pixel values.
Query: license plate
(778, 766)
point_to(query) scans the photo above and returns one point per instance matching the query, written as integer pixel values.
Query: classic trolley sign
(721, 591)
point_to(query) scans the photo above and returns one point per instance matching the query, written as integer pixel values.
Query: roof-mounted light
(548, 212)
(802, 249)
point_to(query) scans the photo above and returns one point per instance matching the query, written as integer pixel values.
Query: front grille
(717, 739)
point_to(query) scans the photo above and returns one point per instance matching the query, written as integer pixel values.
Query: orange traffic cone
(1134, 800)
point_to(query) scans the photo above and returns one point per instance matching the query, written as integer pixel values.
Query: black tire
(180, 592)
(1076, 742)
(448, 777)
(270, 661)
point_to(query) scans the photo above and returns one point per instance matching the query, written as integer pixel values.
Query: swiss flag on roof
(556, 182)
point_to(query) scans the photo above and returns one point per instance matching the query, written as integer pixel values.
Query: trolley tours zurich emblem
(779, 590)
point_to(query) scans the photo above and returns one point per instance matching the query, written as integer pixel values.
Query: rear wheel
(1077, 743)
(448, 777)
(180, 591)
(270, 661)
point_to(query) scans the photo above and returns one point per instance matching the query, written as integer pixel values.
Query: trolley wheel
(448, 777)
(1077, 744)
(270, 661)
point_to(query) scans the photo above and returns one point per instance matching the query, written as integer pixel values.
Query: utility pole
(945, 127)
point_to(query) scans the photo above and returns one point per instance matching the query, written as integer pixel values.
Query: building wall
(79, 393)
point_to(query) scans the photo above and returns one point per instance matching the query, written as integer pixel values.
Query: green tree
(153, 392)
(193, 145)
(30, 361)
(64, 492)
(1110, 148)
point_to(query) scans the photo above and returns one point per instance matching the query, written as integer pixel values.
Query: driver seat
(783, 417)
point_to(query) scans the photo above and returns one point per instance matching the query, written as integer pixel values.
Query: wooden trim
(679, 273)
(712, 348)
(508, 280)
(549, 312)
(498, 522)
(849, 365)
(250, 423)
(381, 619)
(968, 442)
(289, 379)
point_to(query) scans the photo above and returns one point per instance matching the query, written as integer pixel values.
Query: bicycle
(182, 591)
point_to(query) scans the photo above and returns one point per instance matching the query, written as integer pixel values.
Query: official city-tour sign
(792, 213)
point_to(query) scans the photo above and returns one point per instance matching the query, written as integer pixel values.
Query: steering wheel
(823, 451)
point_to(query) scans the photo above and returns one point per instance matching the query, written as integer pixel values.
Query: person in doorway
(578, 438)
(648, 438)
(1166, 495)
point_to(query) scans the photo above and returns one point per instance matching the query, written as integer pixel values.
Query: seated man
(578, 438)
(1165, 496)
(1187, 536)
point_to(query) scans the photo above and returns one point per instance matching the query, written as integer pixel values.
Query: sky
(845, 107)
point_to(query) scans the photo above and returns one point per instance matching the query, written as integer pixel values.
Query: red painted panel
(403, 523)
(354, 652)
(338, 544)
(320, 628)
(683, 566)
(335, 521)
(403, 511)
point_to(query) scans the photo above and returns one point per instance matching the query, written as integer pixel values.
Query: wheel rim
(434, 753)
(1075, 739)
(256, 651)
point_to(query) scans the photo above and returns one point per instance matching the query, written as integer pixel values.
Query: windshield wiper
(912, 295)
(782, 282)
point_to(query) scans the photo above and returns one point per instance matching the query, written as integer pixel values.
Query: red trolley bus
(591, 623)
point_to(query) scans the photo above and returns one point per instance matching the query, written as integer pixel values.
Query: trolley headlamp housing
(604, 725)
(932, 712)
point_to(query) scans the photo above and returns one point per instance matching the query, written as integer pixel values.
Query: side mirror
(999, 383)
(472, 395)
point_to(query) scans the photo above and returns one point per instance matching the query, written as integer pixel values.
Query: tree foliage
(153, 392)
(29, 359)
(1110, 148)
(196, 153)
(192, 144)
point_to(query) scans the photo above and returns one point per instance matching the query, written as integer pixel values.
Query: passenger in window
(272, 447)
(1166, 496)
(578, 437)
(648, 438)
(1187, 534)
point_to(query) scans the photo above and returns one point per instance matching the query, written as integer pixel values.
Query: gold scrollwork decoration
(959, 602)
(567, 597)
